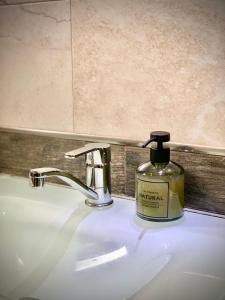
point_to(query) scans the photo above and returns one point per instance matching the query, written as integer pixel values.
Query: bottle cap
(159, 154)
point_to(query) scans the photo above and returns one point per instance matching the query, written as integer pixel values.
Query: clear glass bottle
(159, 183)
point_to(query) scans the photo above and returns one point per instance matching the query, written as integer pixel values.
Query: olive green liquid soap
(159, 187)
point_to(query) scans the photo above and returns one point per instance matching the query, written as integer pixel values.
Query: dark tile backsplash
(204, 173)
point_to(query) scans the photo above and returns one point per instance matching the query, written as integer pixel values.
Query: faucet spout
(38, 176)
(98, 179)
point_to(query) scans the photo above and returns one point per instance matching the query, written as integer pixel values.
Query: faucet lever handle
(104, 150)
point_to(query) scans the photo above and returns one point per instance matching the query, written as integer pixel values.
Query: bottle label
(153, 198)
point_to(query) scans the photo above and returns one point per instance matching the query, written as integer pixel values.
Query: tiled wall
(118, 68)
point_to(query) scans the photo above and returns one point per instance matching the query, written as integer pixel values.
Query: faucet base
(91, 204)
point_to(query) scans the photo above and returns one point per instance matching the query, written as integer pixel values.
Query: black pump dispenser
(159, 154)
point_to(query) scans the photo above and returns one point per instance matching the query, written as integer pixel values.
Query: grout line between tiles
(72, 66)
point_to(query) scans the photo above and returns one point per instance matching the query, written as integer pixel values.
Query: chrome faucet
(98, 181)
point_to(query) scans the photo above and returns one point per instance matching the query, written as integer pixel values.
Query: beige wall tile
(142, 65)
(35, 64)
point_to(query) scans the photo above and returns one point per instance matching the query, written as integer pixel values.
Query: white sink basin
(53, 247)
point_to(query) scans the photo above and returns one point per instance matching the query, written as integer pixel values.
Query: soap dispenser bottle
(159, 183)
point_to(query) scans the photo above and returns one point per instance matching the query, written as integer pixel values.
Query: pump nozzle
(147, 142)
(159, 154)
(158, 136)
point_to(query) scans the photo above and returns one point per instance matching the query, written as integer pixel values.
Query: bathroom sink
(55, 247)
